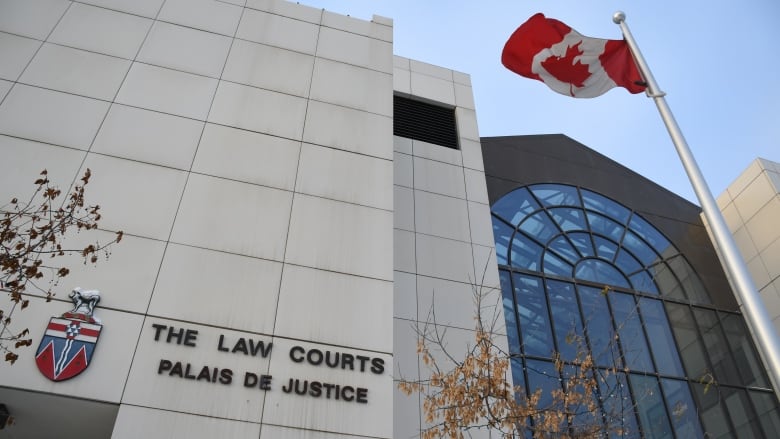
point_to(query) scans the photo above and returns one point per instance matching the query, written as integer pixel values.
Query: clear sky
(718, 61)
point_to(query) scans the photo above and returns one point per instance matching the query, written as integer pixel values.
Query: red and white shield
(67, 347)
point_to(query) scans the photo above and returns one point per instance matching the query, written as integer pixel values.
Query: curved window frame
(588, 226)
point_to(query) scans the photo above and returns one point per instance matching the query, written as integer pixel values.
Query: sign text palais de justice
(250, 347)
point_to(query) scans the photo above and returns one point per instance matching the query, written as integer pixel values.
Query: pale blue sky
(717, 61)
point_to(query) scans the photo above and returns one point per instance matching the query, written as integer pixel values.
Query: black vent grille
(423, 121)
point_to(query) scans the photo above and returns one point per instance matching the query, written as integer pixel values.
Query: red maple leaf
(565, 69)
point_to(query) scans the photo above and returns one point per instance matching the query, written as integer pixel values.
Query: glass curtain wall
(581, 271)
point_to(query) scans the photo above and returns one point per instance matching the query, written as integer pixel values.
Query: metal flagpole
(754, 310)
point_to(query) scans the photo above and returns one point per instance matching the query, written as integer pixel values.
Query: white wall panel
(472, 154)
(315, 305)
(480, 224)
(403, 208)
(144, 8)
(34, 19)
(16, 52)
(185, 49)
(148, 136)
(5, 87)
(763, 227)
(217, 288)
(234, 217)
(440, 178)
(345, 176)
(442, 216)
(168, 91)
(133, 422)
(276, 432)
(444, 258)
(405, 296)
(349, 129)
(437, 153)
(355, 49)
(403, 172)
(342, 237)
(51, 117)
(430, 69)
(101, 30)
(288, 9)
(269, 67)
(453, 302)
(125, 277)
(139, 206)
(402, 145)
(247, 156)
(208, 15)
(404, 258)
(475, 186)
(258, 110)
(354, 87)
(279, 31)
(370, 29)
(435, 89)
(76, 71)
(31, 158)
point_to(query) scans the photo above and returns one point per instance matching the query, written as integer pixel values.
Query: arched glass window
(576, 265)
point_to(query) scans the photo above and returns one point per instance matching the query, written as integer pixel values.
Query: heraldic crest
(69, 341)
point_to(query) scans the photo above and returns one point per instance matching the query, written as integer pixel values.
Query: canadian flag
(569, 63)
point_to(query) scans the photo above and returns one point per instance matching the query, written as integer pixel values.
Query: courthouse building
(295, 200)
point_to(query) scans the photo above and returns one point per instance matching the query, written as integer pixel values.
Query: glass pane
(599, 326)
(643, 282)
(563, 248)
(556, 195)
(596, 270)
(691, 347)
(566, 319)
(627, 263)
(540, 226)
(667, 282)
(742, 415)
(534, 318)
(605, 226)
(632, 338)
(639, 249)
(569, 219)
(618, 406)
(667, 360)
(502, 234)
(689, 280)
(583, 243)
(750, 366)
(605, 248)
(605, 206)
(585, 423)
(542, 376)
(650, 234)
(518, 378)
(650, 405)
(515, 206)
(711, 412)
(525, 253)
(715, 342)
(556, 266)
(682, 410)
(512, 331)
(767, 410)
